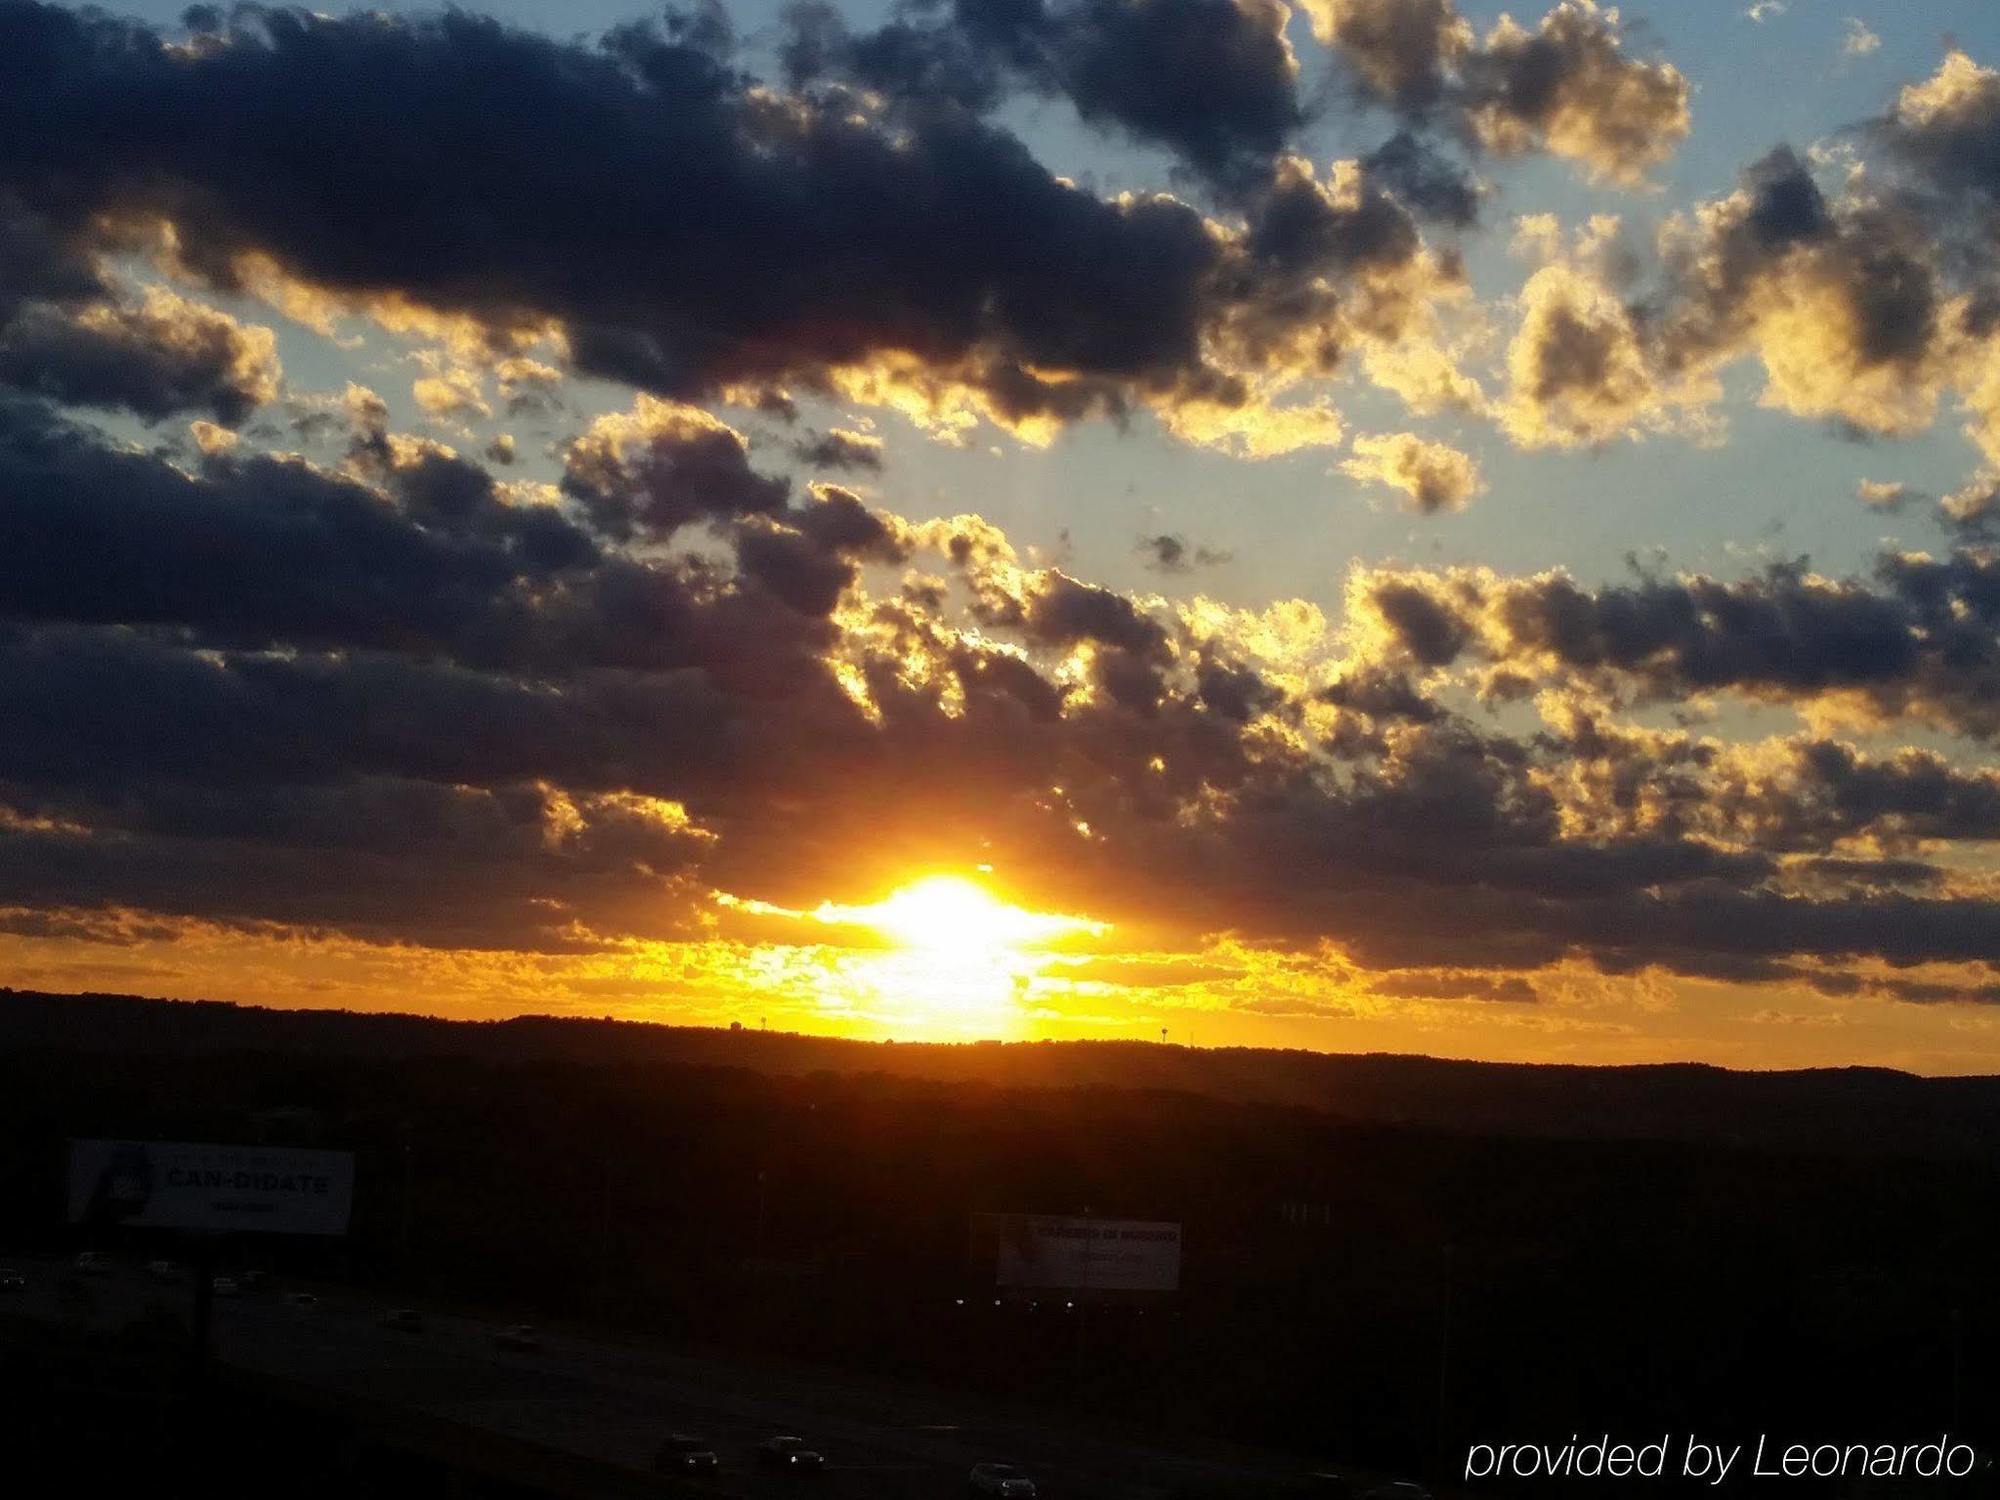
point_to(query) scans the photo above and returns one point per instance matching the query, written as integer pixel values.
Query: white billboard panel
(181, 1185)
(1111, 1255)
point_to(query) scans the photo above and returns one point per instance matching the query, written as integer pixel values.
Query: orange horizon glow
(946, 957)
(959, 961)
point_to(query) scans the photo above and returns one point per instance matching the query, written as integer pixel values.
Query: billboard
(1078, 1254)
(179, 1185)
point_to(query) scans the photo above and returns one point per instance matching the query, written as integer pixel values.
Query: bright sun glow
(947, 914)
(962, 961)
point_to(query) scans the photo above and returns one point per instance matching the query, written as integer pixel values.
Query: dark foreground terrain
(1869, 1110)
(580, 1413)
(1808, 1255)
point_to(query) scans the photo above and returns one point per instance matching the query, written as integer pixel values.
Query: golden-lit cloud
(1566, 86)
(1615, 116)
(1435, 476)
(454, 394)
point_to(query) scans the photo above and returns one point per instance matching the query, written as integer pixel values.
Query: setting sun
(947, 913)
(959, 961)
(939, 956)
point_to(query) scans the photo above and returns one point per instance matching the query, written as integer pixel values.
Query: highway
(612, 1401)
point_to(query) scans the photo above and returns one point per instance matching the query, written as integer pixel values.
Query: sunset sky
(1356, 524)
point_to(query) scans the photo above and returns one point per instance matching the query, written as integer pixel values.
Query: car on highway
(12, 1280)
(90, 1263)
(682, 1454)
(790, 1454)
(226, 1286)
(518, 1337)
(1001, 1479)
(403, 1320)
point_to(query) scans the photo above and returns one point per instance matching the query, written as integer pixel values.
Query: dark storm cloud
(686, 230)
(1945, 132)
(1783, 631)
(808, 578)
(257, 548)
(1924, 992)
(1834, 792)
(837, 520)
(1234, 692)
(195, 737)
(1425, 624)
(933, 61)
(1428, 182)
(41, 262)
(1301, 228)
(244, 692)
(1867, 290)
(1448, 851)
(507, 868)
(1871, 264)
(452, 496)
(1169, 552)
(1809, 795)
(1065, 611)
(810, 557)
(1448, 986)
(1380, 694)
(1448, 848)
(1921, 639)
(1567, 87)
(1132, 649)
(259, 551)
(662, 467)
(1757, 929)
(839, 449)
(161, 358)
(1213, 81)
(1401, 52)
(68, 335)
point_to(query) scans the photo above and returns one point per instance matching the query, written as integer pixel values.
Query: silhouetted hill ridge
(1875, 1110)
